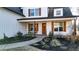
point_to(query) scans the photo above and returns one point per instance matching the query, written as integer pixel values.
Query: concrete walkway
(20, 44)
(23, 48)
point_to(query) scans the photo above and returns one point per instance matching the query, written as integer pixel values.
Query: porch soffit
(58, 19)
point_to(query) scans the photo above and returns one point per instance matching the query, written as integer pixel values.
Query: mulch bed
(15, 39)
(66, 43)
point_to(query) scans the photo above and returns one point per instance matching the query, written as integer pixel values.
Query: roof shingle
(17, 10)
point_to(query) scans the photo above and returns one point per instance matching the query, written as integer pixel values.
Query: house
(42, 21)
(8, 21)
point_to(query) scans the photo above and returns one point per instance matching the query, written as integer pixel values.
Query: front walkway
(23, 48)
(20, 44)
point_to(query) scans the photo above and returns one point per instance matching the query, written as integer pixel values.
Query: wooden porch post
(74, 27)
(73, 38)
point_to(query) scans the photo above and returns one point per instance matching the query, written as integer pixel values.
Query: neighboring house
(76, 12)
(59, 20)
(8, 21)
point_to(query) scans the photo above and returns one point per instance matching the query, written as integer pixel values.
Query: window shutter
(39, 11)
(52, 26)
(28, 12)
(36, 27)
(65, 26)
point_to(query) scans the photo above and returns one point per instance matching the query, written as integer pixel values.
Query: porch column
(27, 28)
(48, 27)
(33, 27)
(74, 27)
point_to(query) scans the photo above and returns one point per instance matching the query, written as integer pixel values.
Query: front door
(43, 28)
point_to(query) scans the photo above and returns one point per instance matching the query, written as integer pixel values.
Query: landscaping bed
(47, 46)
(57, 43)
(19, 37)
(65, 45)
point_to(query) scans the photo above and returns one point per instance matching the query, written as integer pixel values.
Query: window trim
(64, 26)
(58, 26)
(39, 12)
(58, 9)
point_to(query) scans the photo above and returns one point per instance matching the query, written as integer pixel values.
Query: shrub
(44, 45)
(55, 43)
(47, 40)
(19, 34)
(51, 34)
(5, 37)
(50, 41)
(31, 34)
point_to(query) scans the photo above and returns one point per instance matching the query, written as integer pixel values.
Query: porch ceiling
(58, 19)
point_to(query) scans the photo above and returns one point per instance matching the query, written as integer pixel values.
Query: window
(30, 27)
(32, 12)
(58, 12)
(35, 12)
(60, 26)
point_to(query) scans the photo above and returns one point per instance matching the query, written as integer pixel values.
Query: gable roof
(17, 10)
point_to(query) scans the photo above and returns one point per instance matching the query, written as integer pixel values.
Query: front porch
(61, 26)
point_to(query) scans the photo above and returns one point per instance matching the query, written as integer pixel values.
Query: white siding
(44, 12)
(8, 23)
